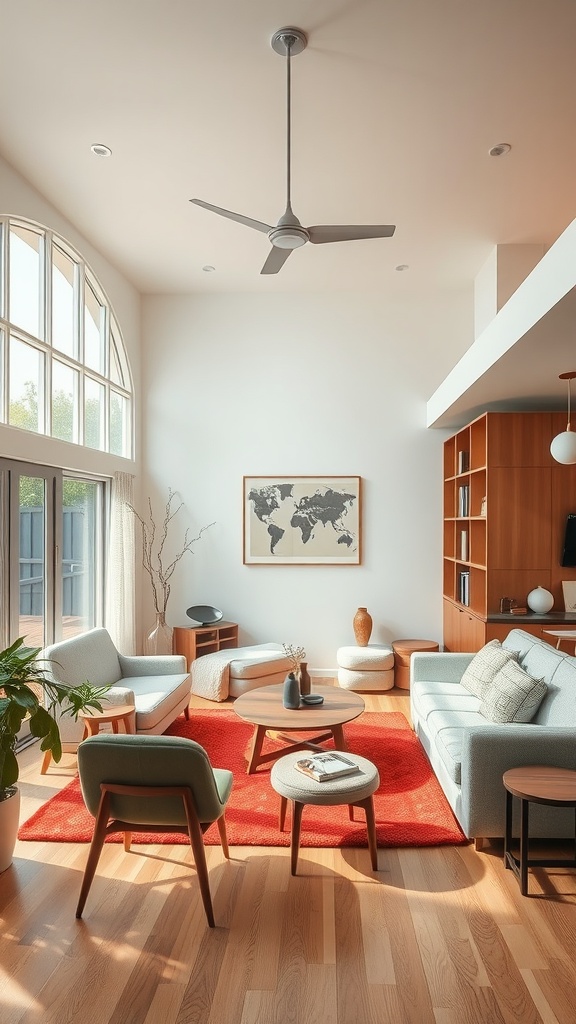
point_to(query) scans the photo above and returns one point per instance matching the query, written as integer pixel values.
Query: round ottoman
(354, 790)
(403, 651)
(366, 668)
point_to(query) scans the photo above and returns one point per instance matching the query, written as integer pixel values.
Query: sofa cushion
(513, 695)
(154, 696)
(484, 666)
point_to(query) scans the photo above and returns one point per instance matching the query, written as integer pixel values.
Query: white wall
(305, 384)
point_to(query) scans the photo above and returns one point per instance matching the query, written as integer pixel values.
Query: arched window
(64, 371)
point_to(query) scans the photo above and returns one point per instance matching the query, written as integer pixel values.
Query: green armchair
(134, 783)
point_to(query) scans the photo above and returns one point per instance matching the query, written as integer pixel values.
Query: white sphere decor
(540, 600)
(563, 448)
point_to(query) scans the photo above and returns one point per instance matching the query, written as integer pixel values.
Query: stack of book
(323, 767)
(463, 500)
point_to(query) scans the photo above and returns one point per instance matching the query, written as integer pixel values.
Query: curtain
(120, 612)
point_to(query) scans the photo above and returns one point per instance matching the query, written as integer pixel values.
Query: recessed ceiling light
(100, 150)
(402, 266)
(500, 150)
(208, 269)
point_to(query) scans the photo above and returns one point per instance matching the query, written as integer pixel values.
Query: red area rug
(411, 809)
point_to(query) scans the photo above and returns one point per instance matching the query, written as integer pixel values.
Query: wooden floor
(435, 936)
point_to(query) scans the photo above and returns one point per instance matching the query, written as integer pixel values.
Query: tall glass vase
(159, 640)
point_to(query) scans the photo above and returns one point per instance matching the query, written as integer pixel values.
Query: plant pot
(9, 819)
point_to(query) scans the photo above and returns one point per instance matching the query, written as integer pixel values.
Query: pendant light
(563, 447)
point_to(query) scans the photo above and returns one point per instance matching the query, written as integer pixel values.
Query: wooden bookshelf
(505, 508)
(194, 641)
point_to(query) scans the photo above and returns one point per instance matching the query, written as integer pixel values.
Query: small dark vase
(291, 694)
(304, 679)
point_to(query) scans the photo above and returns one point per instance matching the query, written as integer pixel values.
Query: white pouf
(366, 668)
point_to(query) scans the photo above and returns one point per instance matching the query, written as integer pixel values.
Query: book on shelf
(464, 587)
(464, 545)
(463, 500)
(463, 462)
(323, 767)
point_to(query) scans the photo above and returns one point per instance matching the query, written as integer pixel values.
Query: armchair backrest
(148, 761)
(89, 656)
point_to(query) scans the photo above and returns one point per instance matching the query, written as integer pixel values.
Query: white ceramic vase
(540, 600)
(9, 819)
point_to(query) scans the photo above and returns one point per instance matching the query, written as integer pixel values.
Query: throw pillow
(513, 696)
(484, 666)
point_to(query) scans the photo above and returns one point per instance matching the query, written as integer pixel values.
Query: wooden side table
(539, 784)
(403, 651)
(118, 713)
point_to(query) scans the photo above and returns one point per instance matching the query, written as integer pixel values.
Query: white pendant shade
(563, 448)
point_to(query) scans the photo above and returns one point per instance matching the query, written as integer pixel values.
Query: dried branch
(153, 557)
(295, 654)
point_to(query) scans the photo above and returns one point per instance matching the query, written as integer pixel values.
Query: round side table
(115, 714)
(403, 650)
(539, 784)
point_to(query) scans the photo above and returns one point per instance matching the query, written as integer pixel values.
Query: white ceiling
(395, 106)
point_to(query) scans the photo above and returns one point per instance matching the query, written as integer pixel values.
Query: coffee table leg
(338, 734)
(256, 749)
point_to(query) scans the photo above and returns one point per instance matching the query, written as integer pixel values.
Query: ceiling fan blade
(349, 232)
(258, 225)
(276, 260)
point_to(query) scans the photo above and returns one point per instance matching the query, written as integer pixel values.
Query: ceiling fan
(288, 233)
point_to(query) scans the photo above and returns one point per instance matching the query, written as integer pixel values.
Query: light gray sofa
(159, 687)
(469, 754)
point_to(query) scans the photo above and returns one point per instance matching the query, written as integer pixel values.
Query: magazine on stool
(324, 767)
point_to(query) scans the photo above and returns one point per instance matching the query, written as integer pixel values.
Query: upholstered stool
(354, 790)
(366, 668)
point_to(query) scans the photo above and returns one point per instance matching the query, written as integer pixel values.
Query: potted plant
(23, 685)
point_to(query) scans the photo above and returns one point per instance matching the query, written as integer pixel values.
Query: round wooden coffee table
(114, 714)
(263, 708)
(539, 784)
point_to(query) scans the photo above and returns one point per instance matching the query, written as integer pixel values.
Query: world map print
(302, 519)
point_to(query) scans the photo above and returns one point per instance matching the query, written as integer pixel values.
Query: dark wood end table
(539, 784)
(263, 708)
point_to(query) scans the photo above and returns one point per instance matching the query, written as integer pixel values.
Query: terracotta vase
(159, 640)
(304, 679)
(362, 624)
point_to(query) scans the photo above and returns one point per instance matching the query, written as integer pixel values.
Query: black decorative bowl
(205, 614)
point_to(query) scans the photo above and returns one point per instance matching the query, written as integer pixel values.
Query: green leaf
(8, 769)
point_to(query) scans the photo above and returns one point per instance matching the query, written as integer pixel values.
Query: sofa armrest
(488, 751)
(152, 665)
(439, 666)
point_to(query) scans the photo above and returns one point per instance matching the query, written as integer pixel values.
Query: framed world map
(302, 520)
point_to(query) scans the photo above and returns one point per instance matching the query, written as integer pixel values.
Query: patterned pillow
(513, 696)
(484, 666)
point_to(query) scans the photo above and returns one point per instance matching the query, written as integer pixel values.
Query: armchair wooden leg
(197, 844)
(478, 843)
(98, 837)
(187, 713)
(127, 841)
(46, 762)
(223, 836)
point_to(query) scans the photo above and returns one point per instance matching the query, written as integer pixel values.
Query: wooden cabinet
(505, 508)
(194, 641)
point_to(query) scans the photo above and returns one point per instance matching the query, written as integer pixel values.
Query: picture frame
(302, 520)
(569, 591)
